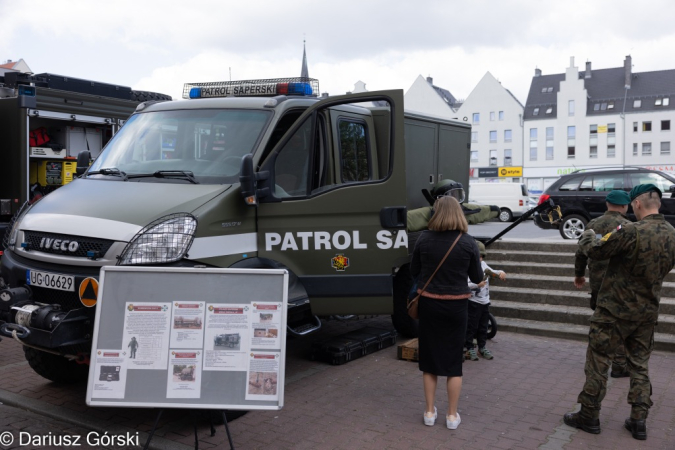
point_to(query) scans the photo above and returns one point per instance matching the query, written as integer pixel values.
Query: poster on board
(110, 377)
(146, 334)
(227, 336)
(184, 374)
(187, 324)
(263, 375)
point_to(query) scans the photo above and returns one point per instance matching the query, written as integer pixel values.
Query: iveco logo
(59, 244)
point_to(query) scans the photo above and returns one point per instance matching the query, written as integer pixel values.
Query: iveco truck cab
(249, 174)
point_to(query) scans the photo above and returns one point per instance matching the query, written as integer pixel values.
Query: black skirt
(442, 332)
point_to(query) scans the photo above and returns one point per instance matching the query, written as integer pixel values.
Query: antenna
(230, 73)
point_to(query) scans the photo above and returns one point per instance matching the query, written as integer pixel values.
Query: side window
(606, 183)
(654, 178)
(587, 184)
(354, 151)
(291, 167)
(570, 185)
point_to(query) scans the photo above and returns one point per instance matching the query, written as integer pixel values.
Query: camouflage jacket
(596, 268)
(640, 256)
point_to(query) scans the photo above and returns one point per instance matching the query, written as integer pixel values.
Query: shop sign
(510, 171)
(488, 172)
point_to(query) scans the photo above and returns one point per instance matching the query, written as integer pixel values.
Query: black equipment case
(352, 345)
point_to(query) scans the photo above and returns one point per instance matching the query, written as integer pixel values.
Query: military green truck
(248, 174)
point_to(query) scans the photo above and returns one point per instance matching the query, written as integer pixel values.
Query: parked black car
(581, 196)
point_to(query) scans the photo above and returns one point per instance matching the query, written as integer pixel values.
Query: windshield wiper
(112, 171)
(178, 174)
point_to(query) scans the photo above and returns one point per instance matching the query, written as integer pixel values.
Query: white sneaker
(453, 424)
(430, 421)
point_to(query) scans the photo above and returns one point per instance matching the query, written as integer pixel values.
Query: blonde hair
(448, 216)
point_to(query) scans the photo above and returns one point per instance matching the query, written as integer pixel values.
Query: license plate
(50, 280)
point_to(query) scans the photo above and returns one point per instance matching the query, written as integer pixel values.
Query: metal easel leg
(229, 436)
(154, 427)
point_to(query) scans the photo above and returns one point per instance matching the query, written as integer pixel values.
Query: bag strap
(441, 263)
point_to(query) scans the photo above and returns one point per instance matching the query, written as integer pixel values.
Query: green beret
(618, 197)
(481, 249)
(643, 188)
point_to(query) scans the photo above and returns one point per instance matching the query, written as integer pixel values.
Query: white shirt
(482, 295)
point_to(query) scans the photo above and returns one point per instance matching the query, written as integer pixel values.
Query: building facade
(597, 118)
(496, 118)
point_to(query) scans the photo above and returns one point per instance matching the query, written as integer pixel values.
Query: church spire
(304, 73)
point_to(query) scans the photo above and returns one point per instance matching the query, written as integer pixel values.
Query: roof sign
(308, 87)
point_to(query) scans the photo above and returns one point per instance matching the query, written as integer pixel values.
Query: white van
(512, 198)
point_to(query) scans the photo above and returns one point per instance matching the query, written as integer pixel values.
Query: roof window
(535, 112)
(549, 110)
(637, 103)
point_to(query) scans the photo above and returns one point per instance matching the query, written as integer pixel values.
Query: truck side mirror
(83, 160)
(248, 181)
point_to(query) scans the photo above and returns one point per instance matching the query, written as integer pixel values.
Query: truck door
(335, 214)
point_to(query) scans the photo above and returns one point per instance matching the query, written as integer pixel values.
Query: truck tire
(145, 96)
(403, 323)
(54, 367)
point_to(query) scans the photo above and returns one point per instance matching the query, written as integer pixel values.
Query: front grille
(68, 300)
(86, 244)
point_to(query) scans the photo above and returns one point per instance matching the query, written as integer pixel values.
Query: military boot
(583, 422)
(637, 427)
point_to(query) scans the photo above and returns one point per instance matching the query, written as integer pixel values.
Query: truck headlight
(165, 240)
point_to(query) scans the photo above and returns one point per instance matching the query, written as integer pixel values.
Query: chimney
(430, 81)
(587, 74)
(627, 68)
(537, 72)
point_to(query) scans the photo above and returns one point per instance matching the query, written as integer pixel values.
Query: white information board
(189, 338)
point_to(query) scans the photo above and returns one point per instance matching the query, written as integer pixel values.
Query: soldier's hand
(502, 275)
(481, 284)
(579, 282)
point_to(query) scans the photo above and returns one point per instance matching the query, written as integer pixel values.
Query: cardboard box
(409, 350)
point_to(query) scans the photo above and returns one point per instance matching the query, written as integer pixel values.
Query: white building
(496, 118)
(423, 97)
(597, 118)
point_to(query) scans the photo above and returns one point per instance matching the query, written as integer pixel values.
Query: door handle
(394, 217)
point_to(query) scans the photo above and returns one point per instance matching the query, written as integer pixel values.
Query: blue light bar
(253, 88)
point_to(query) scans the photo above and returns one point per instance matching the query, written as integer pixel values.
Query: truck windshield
(206, 143)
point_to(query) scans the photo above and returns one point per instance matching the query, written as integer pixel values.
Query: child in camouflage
(479, 309)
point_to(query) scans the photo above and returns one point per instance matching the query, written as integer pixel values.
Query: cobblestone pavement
(515, 401)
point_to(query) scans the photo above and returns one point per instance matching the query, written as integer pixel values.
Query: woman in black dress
(443, 306)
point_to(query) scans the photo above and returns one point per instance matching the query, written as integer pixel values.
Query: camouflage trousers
(619, 360)
(606, 334)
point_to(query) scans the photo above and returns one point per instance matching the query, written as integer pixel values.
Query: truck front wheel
(54, 367)
(404, 324)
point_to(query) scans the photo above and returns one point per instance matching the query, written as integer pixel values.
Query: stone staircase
(538, 297)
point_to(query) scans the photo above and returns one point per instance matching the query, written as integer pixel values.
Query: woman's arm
(416, 264)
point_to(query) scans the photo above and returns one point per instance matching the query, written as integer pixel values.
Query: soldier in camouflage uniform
(640, 256)
(617, 205)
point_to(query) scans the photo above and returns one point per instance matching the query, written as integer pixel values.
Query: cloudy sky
(159, 45)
